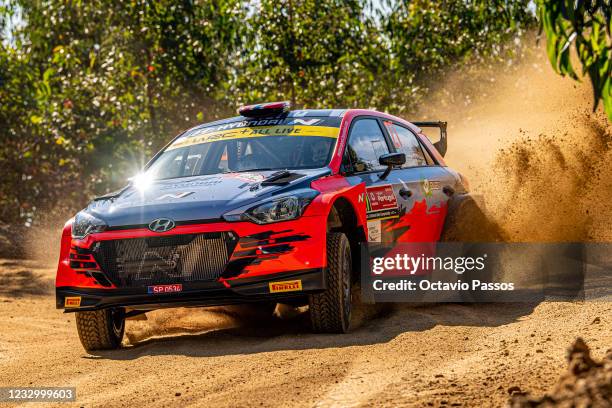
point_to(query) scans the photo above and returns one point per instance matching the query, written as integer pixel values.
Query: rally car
(266, 207)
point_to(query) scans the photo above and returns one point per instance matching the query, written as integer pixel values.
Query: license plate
(157, 289)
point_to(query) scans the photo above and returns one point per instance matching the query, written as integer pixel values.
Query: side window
(366, 144)
(406, 142)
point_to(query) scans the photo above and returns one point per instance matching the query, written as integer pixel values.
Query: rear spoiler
(440, 145)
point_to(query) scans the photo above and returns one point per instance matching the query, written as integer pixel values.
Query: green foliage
(586, 24)
(310, 52)
(93, 88)
(425, 38)
(345, 53)
(90, 89)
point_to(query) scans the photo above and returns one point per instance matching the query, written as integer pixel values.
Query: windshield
(211, 150)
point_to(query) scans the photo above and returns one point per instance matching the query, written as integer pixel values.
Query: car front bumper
(247, 290)
(261, 254)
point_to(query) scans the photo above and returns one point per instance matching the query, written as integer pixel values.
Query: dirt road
(420, 355)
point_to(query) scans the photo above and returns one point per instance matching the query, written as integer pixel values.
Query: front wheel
(101, 329)
(330, 311)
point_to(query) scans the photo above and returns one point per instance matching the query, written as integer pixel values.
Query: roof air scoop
(264, 109)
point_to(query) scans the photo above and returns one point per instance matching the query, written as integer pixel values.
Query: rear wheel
(330, 311)
(101, 329)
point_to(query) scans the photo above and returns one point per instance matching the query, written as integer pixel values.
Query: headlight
(85, 224)
(275, 210)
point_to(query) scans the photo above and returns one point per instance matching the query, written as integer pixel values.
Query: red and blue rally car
(269, 206)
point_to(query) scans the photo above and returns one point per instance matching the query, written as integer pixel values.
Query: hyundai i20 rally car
(266, 207)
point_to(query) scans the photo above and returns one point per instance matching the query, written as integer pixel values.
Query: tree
(348, 53)
(427, 37)
(93, 88)
(586, 25)
(307, 51)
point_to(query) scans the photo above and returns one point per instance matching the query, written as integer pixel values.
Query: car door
(386, 200)
(423, 185)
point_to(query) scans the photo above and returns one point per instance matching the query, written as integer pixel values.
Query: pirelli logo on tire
(286, 286)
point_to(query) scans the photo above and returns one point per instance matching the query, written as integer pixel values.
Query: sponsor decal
(205, 136)
(175, 195)
(374, 231)
(381, 202)
(158, 289)
(286, 286)
(201, 182)
(248, 177)
(430, 186)
(318, 121)
(72, 301)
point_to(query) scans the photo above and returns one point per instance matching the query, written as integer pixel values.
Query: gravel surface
(438, 355)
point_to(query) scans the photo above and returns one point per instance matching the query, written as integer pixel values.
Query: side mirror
(391, 160)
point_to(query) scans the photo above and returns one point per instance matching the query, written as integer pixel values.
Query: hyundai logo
(161, 225)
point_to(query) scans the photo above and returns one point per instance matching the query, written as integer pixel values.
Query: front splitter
(209, 293)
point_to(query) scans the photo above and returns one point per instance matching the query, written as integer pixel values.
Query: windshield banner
(321, 127)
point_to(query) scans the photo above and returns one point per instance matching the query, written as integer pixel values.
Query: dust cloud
(530, 144)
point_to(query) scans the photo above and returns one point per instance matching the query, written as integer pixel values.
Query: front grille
(139, 262)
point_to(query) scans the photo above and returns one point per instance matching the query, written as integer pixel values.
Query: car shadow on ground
(375, 324)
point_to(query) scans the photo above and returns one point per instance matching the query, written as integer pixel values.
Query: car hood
(193, 199)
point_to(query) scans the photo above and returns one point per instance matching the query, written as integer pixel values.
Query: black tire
(101, 329)
(330, 311)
